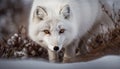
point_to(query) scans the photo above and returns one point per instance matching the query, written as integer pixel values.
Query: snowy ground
(108, 62)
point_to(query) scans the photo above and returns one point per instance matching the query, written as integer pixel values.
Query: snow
(107, 62)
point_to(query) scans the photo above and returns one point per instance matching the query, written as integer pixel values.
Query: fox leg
(53, 57)
(70, 52)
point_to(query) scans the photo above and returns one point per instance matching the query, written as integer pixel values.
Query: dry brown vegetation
(20, 46)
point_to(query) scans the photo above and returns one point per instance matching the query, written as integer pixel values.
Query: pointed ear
(65, 12)
(40, 13)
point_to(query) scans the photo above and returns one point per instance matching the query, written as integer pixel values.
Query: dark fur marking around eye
(62, 31)
(46, 31)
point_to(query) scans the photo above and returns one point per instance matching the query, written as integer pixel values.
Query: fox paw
(67, 60)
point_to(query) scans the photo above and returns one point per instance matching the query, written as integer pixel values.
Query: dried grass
(20, 46)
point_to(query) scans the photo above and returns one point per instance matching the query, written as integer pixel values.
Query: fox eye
(62, 31)
(46, 31)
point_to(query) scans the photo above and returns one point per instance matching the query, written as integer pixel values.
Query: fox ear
(65, 12)
(40, 13)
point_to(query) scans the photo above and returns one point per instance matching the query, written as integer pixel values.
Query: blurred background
(15, 13)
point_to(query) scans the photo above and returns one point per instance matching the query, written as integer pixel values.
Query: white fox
(57, 24)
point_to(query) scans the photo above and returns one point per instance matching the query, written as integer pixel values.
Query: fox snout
(54, 44)
(56, 48)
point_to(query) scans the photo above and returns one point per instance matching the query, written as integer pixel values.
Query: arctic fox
(57, 24)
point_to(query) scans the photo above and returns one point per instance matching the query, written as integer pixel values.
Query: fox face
(52, 29)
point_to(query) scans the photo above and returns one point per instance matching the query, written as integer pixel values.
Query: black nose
(56, 48)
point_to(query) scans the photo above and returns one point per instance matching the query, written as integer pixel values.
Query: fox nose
(56, 48)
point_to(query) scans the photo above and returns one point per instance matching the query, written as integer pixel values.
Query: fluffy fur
(76, 17)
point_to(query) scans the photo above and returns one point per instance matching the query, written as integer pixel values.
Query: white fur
(83, 14)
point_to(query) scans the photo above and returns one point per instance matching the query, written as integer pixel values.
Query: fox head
(52, 29)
